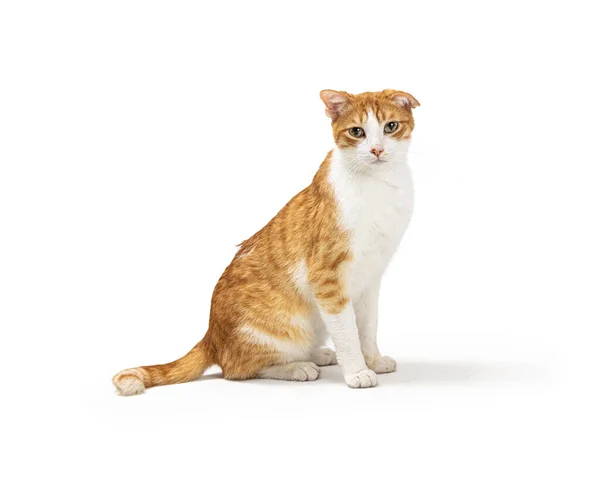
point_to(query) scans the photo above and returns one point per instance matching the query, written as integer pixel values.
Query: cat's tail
(189, 367)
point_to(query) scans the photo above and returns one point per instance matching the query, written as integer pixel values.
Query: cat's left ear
(334, 102)
(405, 99)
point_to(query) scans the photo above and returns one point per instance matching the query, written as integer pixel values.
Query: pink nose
(377, 150)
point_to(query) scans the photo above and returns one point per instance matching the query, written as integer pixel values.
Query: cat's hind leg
(272, 346)
(296, 371)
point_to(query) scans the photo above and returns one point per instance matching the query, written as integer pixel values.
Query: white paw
(305, 372)
(324, 357)
(382, 365)
(361, 379)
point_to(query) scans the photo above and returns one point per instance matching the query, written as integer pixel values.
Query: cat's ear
(334, 102)
(404, 99)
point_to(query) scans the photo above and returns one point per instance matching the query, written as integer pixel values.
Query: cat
(315, 269)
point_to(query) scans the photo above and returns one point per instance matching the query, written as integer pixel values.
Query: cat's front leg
(341, 325)
(366, 320)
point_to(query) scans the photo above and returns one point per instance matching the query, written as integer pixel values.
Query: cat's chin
(378, 163)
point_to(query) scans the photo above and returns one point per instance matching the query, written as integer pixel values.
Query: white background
(140, 141)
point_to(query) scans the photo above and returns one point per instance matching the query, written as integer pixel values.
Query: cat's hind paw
(298, 371)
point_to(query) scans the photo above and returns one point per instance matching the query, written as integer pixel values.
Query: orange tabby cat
(314, 270)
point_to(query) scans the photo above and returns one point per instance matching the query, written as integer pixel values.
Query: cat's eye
(356, 132)
(391, 127)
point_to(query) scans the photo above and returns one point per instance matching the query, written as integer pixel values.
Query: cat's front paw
(382, 364)
(361, 379)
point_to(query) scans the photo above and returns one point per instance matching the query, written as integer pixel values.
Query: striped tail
(191, 366)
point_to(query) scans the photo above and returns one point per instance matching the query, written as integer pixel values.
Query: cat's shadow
(436, 372)
(454, 373)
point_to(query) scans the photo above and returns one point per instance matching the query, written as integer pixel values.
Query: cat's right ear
(334, 102)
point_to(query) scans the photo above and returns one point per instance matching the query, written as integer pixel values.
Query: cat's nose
(377, 150)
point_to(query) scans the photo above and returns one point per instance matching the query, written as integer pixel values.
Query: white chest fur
(375, 207)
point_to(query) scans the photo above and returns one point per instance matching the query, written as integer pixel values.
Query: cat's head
(371, 128)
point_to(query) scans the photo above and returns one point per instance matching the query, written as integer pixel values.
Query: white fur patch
(300, 279)
(374, 132)
(376, 205)
(290, 351)
(129, 382)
